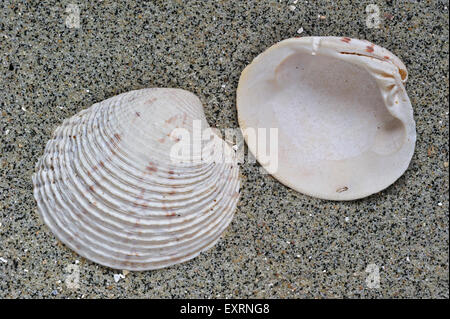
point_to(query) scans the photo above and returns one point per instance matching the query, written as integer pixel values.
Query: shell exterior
(106, 185)
(345, 122)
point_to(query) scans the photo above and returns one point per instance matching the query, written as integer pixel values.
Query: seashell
(345, 122)
(109, 188)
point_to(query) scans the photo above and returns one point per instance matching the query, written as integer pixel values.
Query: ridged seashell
(108, 187)
(345, 123)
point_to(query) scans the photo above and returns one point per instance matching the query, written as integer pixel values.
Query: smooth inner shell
(330, 109)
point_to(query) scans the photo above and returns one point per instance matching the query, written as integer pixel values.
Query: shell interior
(345, 123)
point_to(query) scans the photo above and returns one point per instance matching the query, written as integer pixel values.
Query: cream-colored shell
(108, 188)
(345, 122)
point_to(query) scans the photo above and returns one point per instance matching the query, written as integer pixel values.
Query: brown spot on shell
(138, 114)
(151, 167)
(137, 223)
(114, 141)
(403, 74)
(150, 101)
(346, 40)
(390, 87)
(140, 205)
(171, 119)
(342, 189)
(358, 54)
(369, 48)
(386, 75)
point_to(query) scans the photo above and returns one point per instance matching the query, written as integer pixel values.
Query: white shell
(107, 187)
(345, 123)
